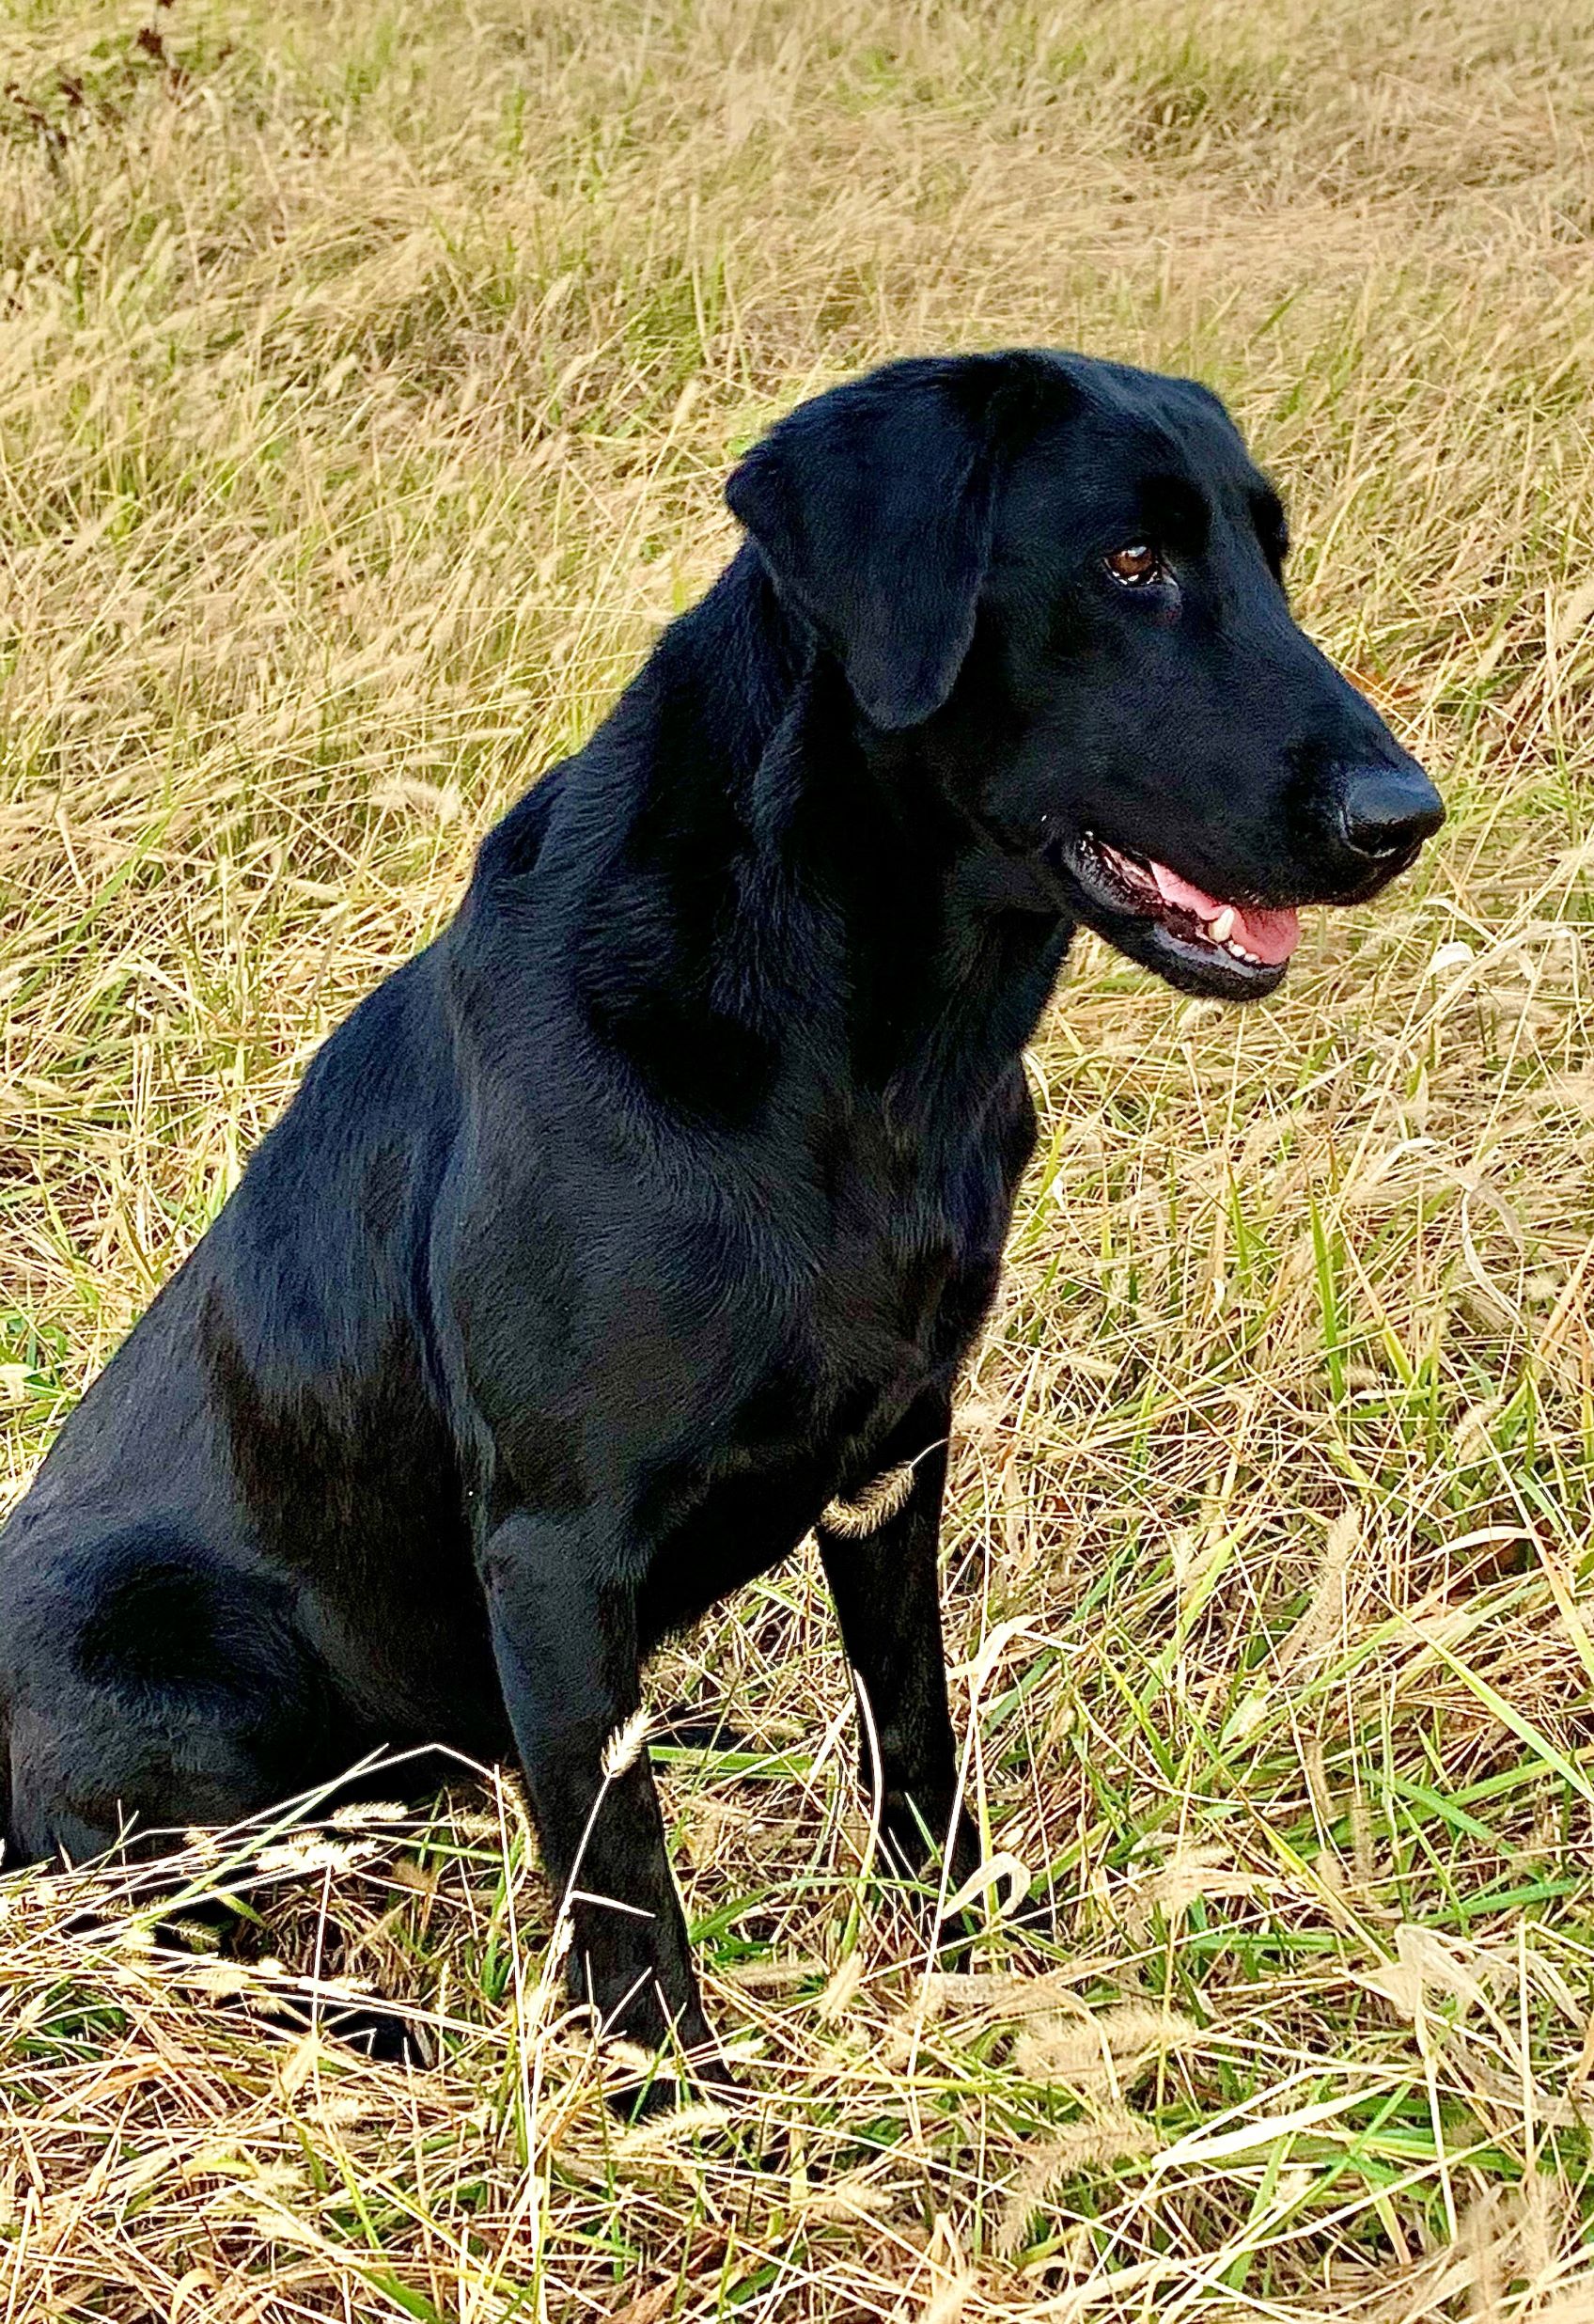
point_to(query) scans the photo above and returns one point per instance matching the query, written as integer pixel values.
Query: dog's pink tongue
(1271, 936)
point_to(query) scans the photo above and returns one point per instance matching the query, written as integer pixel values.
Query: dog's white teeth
(1221, 929)
(1241, 953)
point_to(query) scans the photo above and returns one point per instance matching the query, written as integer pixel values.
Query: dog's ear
(872, 508)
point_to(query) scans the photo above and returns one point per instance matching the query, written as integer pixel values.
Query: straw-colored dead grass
(367, 373)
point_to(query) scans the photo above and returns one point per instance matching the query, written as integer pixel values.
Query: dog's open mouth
(1259, 936)
(1197, 943)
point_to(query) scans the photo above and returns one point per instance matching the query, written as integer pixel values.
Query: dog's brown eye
(1137, 565)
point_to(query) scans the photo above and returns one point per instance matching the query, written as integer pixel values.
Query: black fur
(656, 1204)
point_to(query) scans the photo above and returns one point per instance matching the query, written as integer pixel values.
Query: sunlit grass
(366, 379)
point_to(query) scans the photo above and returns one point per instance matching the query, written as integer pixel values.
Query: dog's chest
(857, 1367)
(860, 1336)
(911, 1240)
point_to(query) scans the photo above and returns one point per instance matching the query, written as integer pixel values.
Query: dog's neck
(767, 825)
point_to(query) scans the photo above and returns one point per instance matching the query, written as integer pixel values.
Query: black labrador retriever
(650, 1210)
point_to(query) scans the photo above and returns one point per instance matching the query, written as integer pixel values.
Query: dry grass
(367, 373)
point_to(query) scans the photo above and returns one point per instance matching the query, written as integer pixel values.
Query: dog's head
(1067, 576)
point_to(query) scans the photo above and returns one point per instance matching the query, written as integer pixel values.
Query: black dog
(654, 1207)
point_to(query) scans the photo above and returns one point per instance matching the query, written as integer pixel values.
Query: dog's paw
(643, 2081)
(386, 2036)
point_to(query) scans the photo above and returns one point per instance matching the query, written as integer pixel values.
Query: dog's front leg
(886, 1586)
(563, 1633)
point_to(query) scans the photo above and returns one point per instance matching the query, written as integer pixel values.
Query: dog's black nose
(1384, 810)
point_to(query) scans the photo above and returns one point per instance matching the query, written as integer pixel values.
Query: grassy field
(367, 373)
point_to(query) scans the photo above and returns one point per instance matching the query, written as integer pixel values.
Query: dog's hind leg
(880, 1558)
(153, 1685)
